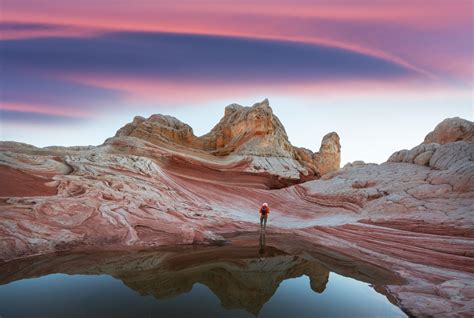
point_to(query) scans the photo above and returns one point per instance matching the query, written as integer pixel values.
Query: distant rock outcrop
(448, 148)
(253, 132)
(327, 159)
(249, 131)
(451, 129)
(159, 129)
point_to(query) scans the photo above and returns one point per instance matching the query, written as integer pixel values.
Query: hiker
(264, 210)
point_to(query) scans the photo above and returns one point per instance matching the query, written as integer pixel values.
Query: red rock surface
(411, 215)
(16, 183)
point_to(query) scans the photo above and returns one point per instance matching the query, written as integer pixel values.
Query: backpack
(264, 210)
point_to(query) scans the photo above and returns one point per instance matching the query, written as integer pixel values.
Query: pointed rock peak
(330, 143)
(263, 104)
(262, 107)
(249, 130)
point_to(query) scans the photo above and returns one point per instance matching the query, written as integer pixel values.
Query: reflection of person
(264, 211)
(261, 250)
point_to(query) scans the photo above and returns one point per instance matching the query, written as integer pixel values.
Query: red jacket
(268, 210)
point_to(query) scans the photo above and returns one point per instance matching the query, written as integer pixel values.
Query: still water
(60, 295)
(216, 282)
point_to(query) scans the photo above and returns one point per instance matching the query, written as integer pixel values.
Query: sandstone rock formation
(453, 156)
(328, 158)
(157, 184)
(451, 129)
(251, 132)
(242, 131)
(161, 129)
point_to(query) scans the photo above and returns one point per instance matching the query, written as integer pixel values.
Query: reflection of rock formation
(236, 276)
(236, 273)
(242, 283)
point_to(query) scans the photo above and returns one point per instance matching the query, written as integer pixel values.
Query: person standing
(264, 211)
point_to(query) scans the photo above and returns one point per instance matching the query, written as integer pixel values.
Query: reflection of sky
(343, 297)
(60, 295)
(74, 72)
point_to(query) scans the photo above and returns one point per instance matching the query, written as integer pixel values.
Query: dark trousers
(263, 220)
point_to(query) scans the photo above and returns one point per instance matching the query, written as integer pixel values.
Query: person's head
(265, 204)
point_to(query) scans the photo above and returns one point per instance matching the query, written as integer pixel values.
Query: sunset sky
(380, 73)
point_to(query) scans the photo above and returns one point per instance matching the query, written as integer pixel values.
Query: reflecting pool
(225, 281)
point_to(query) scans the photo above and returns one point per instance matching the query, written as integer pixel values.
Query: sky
(381, 74)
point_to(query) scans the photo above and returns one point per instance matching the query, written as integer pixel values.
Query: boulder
(451, 129)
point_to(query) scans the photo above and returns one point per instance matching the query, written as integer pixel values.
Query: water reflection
(261, 250)
(242, 276)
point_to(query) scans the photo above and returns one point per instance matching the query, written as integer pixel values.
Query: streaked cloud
(186, 56)
(424, 35)
(9, 116)
(77, 61)
(33, 84)
(98, 72)
(22, 26)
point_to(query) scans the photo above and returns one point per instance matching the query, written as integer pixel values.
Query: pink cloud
(141, 91)
(395, 30)
(44, 109)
